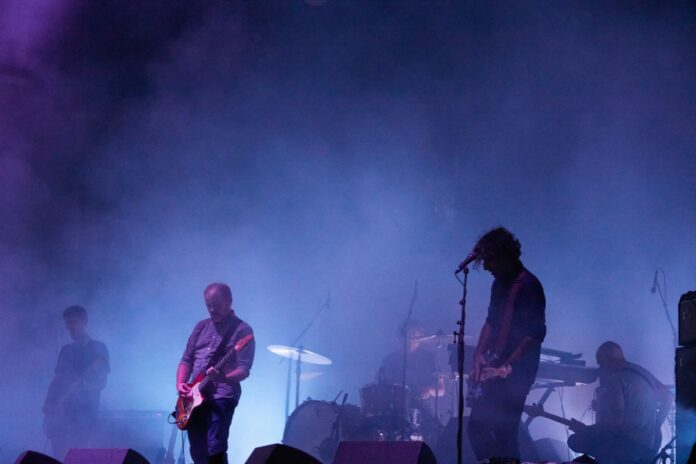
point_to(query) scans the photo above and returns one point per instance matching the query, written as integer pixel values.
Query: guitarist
(72, 400)
(509, 347)
(631, 406)
(211, 339)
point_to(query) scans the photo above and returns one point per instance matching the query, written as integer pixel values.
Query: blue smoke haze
(294, 150)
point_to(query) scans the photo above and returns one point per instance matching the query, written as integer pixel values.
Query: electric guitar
(475, 391)
(54, 418)
(537, 410)
(185, 405)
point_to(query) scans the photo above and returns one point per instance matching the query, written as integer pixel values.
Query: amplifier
(687, 319)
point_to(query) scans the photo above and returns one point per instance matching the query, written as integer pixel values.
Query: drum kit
(388, 412)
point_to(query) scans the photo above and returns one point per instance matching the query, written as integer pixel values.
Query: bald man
(209, 427)
(631, 407)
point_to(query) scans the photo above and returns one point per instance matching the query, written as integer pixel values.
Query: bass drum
(310, 426)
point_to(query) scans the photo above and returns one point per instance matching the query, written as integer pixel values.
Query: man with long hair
(506, 358)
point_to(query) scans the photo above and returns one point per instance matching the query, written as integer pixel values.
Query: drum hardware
(297, 352)
(299, 355)
(327, 448)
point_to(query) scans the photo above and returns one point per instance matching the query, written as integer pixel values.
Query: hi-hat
(303, 355)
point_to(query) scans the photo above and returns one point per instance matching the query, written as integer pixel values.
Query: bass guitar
(537, 410)
(185, 405)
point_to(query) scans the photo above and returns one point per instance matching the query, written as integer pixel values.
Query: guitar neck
(218, 366)
(547, 415)
(227, 357)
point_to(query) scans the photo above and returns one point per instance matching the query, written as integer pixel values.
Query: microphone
(654, 286)
(469, 258)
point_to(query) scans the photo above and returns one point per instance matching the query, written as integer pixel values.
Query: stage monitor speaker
(104, 456)
(34, 457)
(384, 452)
(135, 429)
(685, 373)
(446, 450)
(687, 319)
(280, 454)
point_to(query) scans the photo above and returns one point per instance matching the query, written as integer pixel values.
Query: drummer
(421, 372)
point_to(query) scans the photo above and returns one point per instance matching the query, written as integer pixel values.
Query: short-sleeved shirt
(631, 393)
(203, 344)
(80, 375)
(528, 318)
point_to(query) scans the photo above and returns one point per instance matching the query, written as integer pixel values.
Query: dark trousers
(209, 430)
(608, 447)
(495, 418)
(72, 428)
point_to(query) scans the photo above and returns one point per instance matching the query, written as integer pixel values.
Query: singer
(506, 358)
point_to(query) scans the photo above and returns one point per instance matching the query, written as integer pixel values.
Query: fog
(346, 149)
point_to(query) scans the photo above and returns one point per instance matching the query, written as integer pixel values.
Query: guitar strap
(507, 313)
(222, 347)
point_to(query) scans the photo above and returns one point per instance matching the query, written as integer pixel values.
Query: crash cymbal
(303, 355)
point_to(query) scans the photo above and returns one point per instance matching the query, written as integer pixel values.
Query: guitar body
(475, 390)
(185, 405)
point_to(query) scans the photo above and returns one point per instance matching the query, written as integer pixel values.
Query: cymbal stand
(325, 305)
(298, 372)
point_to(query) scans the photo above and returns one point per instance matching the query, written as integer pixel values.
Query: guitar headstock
(243, 342)
(534, 410)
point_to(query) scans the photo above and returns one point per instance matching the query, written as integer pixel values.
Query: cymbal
(303, 355)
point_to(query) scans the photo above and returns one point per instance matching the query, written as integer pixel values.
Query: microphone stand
(662, 292)
(460, 360)
(299, 360)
